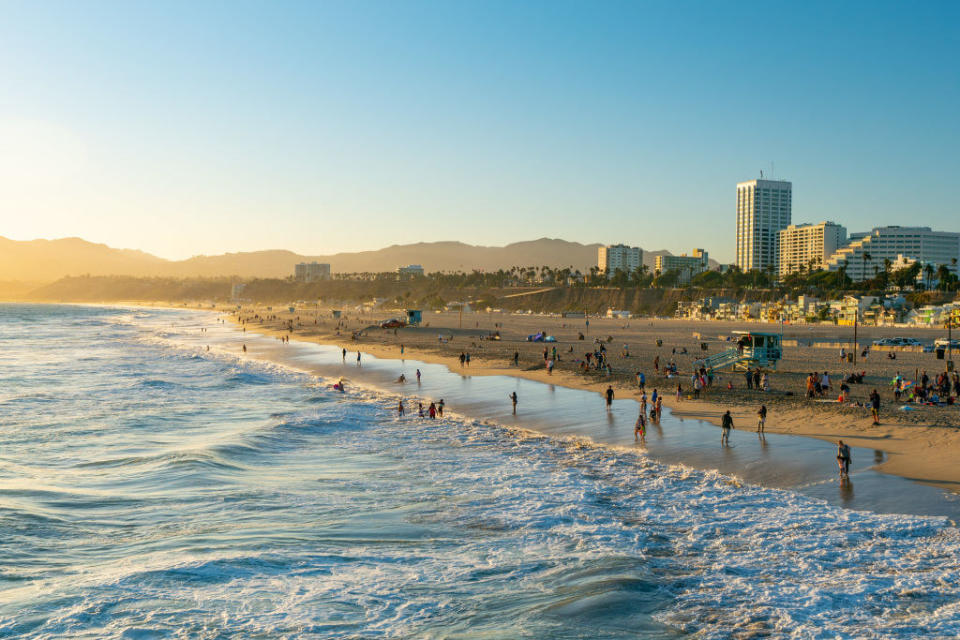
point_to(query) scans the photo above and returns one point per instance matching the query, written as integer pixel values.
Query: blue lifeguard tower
(414, 317)
(753, 349)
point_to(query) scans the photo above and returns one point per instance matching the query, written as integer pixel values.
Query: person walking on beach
(358, 358)
(656, 364)
(749, 377)
(726, 423)
(440, 408)
(762, 418)
(875, 406)
(344, 355)
(432, 411)
(513, 399)
(516, 358)
(679, 392)
(640, 428)
(843, 459)
(467, 359)
(609, 395)
(244, 348)
(419, 409)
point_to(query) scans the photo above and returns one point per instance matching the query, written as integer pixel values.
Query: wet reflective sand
(806, 465)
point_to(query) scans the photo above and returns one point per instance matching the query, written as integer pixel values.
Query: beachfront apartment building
(763, 208)
(311, 271)
(693, 264)
(864, 257)
(619, 256)
(808, 246)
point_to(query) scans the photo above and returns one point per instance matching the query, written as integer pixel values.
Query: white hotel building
(763, 209)
(809, 246)
(619, 256)
(865, 254)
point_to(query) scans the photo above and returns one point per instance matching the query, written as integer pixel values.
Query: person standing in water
(400, 409)
(609, 395)
(440, 408)
(358, 358)
(725, 425)
(418, 376)
(640, 428)
(344, 355)
(843, 458)
(761, 418)
(513, 399)
(658, 407)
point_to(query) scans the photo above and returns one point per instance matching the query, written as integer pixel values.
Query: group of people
(434, 410)
(945, 388)
(818, 385)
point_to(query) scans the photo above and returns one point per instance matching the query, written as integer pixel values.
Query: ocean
(152, 488)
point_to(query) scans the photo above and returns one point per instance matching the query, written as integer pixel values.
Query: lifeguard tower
(414, 317)
(753, 349)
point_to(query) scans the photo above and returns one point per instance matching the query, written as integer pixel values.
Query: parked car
(392, 323)
(943, 342)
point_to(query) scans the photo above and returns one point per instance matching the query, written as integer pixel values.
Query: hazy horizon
(184, 130)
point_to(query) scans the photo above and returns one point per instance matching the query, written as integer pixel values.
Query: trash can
(941, 353)
(849, 357)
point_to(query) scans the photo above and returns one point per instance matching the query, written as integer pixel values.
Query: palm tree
(943, 275)
(928, 273)
(866, 258)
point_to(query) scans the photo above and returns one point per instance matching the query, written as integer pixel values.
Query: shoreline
(922, 454)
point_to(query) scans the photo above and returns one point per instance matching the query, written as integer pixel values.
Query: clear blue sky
(203, 127)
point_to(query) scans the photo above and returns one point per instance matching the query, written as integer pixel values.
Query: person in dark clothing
(875, 406)
(609, 395)
(749, 377)
(725, 425)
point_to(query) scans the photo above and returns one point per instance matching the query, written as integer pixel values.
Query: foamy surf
(245, 500)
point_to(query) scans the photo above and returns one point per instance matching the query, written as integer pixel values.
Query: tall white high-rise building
(809, 246)
(619, 256)
(763, 209)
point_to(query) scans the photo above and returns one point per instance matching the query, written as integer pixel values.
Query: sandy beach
(921, 443)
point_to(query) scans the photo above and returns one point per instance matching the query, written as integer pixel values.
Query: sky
(185, 128)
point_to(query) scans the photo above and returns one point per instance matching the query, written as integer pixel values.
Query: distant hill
(48, 260)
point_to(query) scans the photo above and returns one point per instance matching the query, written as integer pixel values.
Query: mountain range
(47, 260)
